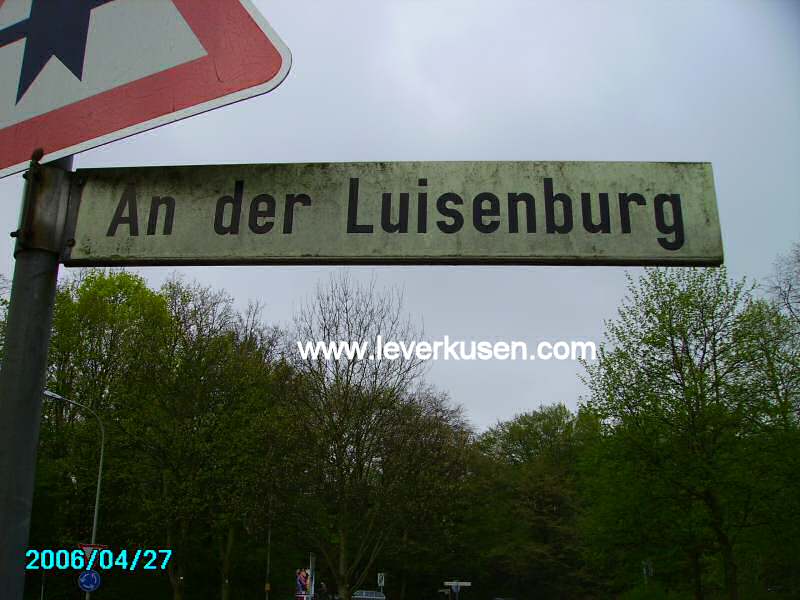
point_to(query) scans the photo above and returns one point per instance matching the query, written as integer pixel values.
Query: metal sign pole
(22, 377)
(312, 567)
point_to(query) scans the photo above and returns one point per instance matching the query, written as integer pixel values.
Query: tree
(351, 413)
(428, 458)
(785, 284)
(247, 452)
(185, 385)
(531, 542)
(103, 322)
(177, 415)
(679, 385)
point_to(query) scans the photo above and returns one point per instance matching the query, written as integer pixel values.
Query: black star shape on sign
(54, 28)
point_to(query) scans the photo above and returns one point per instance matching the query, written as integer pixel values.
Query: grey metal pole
(55, 396)
(22, 374)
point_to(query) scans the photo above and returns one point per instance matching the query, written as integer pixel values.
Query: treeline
(677, 477)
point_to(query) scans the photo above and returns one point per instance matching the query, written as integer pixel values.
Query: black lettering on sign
(257, 213)
(676, 227)
(624, 209)
(550, 211)
(152, 221)
(126, 202)
(479, 211)
(457, 218)
(422, 208)
(604, 226)
(352, 210)
(235, 202)
(288, 211)
(514, 200)
(386, 214)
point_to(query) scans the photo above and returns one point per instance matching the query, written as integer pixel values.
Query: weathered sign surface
(602, 213)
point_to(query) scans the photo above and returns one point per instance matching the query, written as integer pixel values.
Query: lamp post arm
(54, 396)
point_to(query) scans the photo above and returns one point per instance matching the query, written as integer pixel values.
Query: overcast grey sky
(510, 80)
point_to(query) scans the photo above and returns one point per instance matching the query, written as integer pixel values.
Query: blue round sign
(89, 581)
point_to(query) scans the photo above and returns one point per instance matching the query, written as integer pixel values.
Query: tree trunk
(344, 591)
(174, 566)
(405, 565)
(267, 584)
(225, 570)
(174, 571)
(725, 544)
(729, 567)
(342, 579)
(697, 576)
(175, 580)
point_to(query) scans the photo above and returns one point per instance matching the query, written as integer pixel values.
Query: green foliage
(681, 464)
(216, 443)
(694, 390)
(652, 591)
(377, 452)
(530, 542)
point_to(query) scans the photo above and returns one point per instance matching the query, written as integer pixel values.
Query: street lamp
(54, 396)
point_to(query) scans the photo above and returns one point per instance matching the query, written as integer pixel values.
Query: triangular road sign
(89, 549)
(75, 74)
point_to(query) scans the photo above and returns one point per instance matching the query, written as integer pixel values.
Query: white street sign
(593, 213)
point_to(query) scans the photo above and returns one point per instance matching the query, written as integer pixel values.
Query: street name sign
(457, 585)
(79, 73)
(594, 213)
